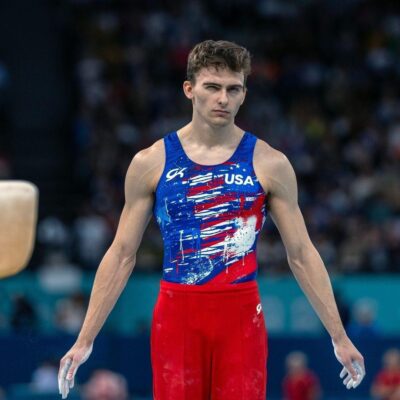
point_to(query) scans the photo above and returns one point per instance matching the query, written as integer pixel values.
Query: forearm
(110, 280)
(311, 274)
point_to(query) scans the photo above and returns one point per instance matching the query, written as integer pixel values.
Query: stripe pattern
(209, 216)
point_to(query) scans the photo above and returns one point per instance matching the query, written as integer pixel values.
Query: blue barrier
(21, 354)
(287, 311)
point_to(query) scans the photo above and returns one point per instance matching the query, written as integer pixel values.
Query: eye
(234, 90)
(211, 87)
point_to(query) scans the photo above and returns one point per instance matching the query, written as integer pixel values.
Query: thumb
(73, 368)
(77, 361)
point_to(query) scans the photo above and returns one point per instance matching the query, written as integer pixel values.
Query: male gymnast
(209, 186)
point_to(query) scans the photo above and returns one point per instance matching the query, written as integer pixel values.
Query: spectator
(23, 316)
(92, 237)
(300, 383)
(106, 385)
(70, 313)
(363, 323)
(44, 377)
(53, 234)
(58, 275)
(386, 385)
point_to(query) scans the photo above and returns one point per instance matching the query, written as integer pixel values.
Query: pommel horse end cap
(18, 217)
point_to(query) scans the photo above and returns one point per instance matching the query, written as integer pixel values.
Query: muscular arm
(119, 261)
(277, 177)
(303, 258)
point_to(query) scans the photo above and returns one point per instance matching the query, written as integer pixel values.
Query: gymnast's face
(216, 95)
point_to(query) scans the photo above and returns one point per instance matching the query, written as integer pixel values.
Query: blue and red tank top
(209, 215)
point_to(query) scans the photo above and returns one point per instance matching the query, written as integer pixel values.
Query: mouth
(221, 113)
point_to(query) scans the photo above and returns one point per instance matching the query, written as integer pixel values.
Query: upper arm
(278, 179)
(140, 183)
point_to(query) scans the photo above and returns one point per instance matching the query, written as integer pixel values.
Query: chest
(188, 191)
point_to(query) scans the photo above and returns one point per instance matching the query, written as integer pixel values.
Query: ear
(188, 89)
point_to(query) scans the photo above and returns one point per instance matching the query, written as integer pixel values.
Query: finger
(347, 380)
(350, 384)
(351, 370)
(64, 368)
(65, 389)
(360, 377)
(359, 367)
(72, 370)
(63, 373)
(343, 373)
(59, 384)
(356, 383)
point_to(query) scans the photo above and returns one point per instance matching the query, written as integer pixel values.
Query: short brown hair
(218, 54)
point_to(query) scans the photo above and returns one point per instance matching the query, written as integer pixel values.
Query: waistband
(235, 288)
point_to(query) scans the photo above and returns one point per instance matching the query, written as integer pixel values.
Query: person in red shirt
(386, 385)
(300, 383)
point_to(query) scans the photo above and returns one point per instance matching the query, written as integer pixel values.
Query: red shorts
(209, 343)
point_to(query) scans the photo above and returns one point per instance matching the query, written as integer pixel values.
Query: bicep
(285, 211)
(290, 223)
(137, 210)
(134, 219)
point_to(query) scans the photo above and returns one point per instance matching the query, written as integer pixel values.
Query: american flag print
(209, 216)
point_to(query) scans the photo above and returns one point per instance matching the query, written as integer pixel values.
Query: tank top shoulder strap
(173, 149)
(245, 150)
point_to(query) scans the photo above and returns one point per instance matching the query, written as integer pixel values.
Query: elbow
(128, 262)
(126, 256)
(296, 264)
(301, 256)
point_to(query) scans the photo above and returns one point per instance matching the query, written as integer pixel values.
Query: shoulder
(147, 165)
(149, 155)
(266, 156)
(271, 165)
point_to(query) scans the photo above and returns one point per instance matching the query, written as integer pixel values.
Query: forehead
(222, 76)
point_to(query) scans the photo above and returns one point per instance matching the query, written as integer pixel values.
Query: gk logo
(173, 173)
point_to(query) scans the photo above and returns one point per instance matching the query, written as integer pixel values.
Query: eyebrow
(235, 85)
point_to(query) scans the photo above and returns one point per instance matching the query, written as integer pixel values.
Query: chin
(220, 122)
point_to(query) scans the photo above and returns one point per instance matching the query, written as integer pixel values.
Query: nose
(223, 98)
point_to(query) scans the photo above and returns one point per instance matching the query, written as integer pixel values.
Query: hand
(69, 365)
(353, 370)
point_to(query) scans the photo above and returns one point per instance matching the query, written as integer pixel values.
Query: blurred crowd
(302, 383)
(324, 90)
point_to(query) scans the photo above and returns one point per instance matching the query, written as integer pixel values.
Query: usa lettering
(238, 179)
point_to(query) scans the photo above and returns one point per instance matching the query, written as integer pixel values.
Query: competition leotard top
(209, 216)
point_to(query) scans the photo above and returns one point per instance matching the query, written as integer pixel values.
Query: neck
(211, 135)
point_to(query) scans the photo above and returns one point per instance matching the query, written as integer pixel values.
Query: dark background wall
(35, 50)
